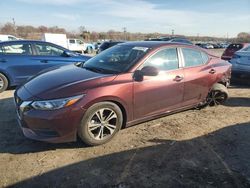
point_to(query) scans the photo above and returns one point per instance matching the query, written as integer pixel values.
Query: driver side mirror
(145, 71)
(67, 54)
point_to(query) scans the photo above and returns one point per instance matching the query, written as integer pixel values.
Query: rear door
(164, 92)
(199, 75)
(16, 60)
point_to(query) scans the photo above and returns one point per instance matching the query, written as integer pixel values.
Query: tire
(3, 83)
(218, 95)
(92, 131)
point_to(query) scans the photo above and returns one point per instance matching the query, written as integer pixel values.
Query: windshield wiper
(93, 69)
(99, 70)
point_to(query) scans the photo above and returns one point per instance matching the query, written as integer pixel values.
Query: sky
(218, 18)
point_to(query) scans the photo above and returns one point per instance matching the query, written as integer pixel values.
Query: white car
(77, 45)
(8, 37)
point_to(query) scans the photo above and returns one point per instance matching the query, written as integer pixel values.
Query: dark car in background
(241, 63)
(107, 44)
(171, 39)
(127, 84)
(231, 49)
(22, 59)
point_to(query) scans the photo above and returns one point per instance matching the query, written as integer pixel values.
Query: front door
(161, 93)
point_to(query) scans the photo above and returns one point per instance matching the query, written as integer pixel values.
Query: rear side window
(79, 42)
(48, 50)
(193, 57)
(24, 49)
(165, 60)
(235, 46)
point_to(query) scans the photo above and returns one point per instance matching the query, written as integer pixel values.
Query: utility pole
(172, 32)
(14, 24)
(124, 32)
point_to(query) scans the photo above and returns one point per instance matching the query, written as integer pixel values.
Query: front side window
(193, 57)
(165, 60)
(23, 49)
(117, 59)
(79, 42)
(48, 50)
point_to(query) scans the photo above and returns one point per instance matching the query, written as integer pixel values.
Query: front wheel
(217, 95)
(100, 123)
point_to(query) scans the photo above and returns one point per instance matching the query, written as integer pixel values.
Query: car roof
(28, 41)
(155, 44)
(21, 41)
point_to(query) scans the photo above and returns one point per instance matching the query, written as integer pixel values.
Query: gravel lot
(195, 148)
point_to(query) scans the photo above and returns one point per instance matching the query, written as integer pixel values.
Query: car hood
(65, 81)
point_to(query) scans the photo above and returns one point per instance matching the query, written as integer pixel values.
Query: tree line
(32, 32)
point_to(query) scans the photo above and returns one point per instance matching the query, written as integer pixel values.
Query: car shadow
(217, 159)
(237, 102)
(240, 83)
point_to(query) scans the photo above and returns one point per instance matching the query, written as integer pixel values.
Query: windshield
(117, 59)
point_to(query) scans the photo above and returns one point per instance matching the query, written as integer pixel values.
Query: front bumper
(55, 126)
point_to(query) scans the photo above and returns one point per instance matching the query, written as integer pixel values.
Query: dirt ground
(195, 148)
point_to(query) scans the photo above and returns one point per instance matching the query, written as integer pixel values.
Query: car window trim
(194, 65)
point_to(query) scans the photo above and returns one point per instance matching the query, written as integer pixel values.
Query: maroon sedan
(122, 86)
(231, 49)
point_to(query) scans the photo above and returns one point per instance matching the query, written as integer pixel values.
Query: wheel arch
(8, 77)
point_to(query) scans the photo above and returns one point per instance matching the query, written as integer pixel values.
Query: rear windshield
(235, 46)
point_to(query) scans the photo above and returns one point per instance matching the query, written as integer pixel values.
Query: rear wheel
(100, 123)
(217, 95)
(3, 83)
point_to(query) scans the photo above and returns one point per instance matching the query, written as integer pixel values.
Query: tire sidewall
(5, 83)
(83, 128)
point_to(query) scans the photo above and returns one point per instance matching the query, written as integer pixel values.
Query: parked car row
(171, 39)
(212, 45)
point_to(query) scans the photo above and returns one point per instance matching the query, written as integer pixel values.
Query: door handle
(44, 61)
(178, 78)
(212, 71)
(3, 60)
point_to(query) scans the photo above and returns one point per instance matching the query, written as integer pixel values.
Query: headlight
(55, 104)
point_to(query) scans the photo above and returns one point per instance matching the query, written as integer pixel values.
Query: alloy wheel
(102, 124)
(216, 97)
